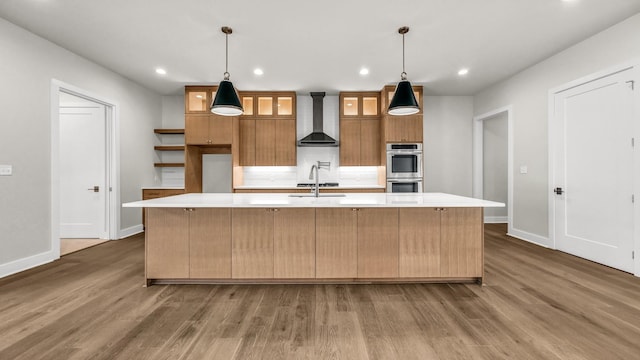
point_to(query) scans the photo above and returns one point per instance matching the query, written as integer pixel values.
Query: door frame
(635, 66)
(112, 169)
(478, 160)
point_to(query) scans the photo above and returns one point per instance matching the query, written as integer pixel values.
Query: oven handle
(404, 152)
(404, 180)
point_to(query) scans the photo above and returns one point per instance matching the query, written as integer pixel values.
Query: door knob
(558, 191)
(95, 189)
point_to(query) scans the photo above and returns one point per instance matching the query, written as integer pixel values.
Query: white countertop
(294, 187)
(260, 200)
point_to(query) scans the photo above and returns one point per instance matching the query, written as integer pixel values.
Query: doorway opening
(493, 162)
(84, 159)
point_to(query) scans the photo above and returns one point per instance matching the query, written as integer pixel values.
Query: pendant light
(404, 101)
(226, 102)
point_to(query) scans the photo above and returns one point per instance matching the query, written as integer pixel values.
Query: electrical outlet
(6, 170)
(523, 169)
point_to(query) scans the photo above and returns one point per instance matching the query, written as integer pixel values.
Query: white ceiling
(319, 45)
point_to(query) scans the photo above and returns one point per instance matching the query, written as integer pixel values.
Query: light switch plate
(6, 170)
(523, 169)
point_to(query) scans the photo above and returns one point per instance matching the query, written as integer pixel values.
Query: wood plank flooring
(536, 304)
(68, 246)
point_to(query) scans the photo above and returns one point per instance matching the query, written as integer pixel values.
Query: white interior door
(594, 170)
(82, 172)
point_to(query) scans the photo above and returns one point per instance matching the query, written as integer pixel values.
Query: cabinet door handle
(276, 209)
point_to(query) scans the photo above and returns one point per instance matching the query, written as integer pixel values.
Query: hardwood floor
(536, 304)
(68, 246)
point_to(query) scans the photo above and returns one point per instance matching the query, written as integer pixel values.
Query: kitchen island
(296, 238)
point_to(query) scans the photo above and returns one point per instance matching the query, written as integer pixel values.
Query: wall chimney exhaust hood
(317, 137)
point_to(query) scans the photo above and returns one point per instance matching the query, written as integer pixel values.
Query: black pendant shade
(404, 100)
(226, 102)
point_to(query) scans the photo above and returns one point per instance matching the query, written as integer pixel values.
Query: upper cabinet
(201, 126)
(279, 104)
(208, 129)
(407, 128)
(360, 129)
(268, 129)
(359, 104)
(198, 99)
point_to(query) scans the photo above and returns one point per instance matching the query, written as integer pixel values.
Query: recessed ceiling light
(463, 72)
(364, 71)
(161, 71)
(258, 71)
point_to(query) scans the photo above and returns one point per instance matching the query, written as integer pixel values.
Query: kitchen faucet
(320, 165)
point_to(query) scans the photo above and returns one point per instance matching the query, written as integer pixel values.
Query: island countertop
(364, 200)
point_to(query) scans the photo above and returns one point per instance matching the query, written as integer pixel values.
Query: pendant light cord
(226, 64)
(403, 30)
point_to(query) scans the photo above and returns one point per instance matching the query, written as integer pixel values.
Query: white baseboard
(27, 263)
(496, 219)
(529, 237)
(130, 231)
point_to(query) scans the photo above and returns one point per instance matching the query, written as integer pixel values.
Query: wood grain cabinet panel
(378, 243)
(252, 243)
(265, 142)
(419, 242)
(208, 130)
(404, 128)
(247, 142)
(285, 143)
(268, 129)
(360, 129)
(167, 243)
(350, 142)
(336, 243)
(462, 242)
(196, 129)
(294, 243)
(370, 142)
(210, 243)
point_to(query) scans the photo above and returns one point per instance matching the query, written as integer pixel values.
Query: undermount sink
(320, 195)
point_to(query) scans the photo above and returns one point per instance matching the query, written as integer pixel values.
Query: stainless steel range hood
(317, 137)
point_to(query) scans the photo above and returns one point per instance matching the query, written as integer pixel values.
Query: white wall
(495, 163)
(448, 144)
(28, 65)
(528, 92)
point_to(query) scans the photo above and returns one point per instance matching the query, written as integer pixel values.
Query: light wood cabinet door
(370, 142)
(336, 243)
(265, 142)
(167, 243)
(349, 142)
(220, 129)
(197, 99)
(378, 243)
(294, 243)
(210, 243)
(419, 238)
(196, 129)
(247, 142)
(285, 143)
(462, 242)
(252, 239)
(404, 128)
(360, 129)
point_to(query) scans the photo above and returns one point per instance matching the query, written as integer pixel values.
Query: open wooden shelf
(168, 131)
(168, 164)
(169, 147)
